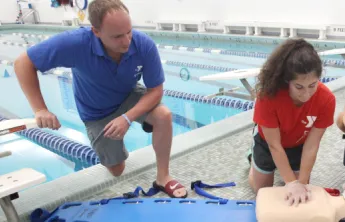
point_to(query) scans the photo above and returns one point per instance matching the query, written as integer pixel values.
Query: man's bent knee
(117, 170)
(160, 115)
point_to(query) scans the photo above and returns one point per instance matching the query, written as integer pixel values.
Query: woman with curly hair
(292, 111)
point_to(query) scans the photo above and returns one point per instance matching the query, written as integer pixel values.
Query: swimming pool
(187, 114)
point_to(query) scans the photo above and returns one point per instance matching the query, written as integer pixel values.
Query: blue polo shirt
(100, 85)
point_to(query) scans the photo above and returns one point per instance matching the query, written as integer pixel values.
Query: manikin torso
(271, 207)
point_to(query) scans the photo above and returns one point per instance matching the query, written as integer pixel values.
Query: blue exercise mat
(154, 209)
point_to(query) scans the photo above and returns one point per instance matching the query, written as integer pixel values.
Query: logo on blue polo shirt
(138, 73)
(138, 69)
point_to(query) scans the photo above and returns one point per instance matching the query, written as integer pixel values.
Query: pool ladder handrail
(28, 13)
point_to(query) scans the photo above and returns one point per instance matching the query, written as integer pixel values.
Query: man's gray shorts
(112, 152)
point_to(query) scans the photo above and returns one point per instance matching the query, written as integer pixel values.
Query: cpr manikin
(271, 207)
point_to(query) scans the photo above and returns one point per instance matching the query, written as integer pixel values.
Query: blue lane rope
(60, 145)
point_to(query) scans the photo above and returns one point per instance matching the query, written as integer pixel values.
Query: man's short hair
(99, 8)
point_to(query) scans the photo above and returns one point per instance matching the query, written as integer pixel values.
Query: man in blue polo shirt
(107, 61)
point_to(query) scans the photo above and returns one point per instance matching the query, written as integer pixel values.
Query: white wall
(8, 10)
(145, 12)
(336, 12)
(300, 11)
(48, 14)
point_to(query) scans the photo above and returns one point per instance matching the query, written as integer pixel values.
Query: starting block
(12, 183)
(222, 92)
(242, 75)
(333, 52)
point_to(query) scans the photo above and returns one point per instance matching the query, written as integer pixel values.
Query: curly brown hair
(293, 57)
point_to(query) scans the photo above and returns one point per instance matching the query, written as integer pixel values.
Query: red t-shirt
(295, 122)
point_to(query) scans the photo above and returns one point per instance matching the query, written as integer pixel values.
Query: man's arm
(153, 76)
(146, 103)
(272, 137)
(309, 153)
(28, 80)
(57, 51)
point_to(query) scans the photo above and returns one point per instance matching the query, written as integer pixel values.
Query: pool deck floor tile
(225, 161)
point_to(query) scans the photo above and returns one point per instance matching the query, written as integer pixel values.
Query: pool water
(187, 115)
(26, 154)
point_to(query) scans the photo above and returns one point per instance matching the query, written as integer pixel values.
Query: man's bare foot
(171, 187)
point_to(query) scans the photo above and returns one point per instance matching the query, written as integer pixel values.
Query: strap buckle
(129, 195)
(195, 183)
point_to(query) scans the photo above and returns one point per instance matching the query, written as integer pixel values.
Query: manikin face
(303, 87)
(115, 31)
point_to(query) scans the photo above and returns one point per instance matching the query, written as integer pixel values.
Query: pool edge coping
(58, 26)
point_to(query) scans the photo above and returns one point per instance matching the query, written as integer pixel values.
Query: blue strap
(41, 215)
(198, 185)
(152, 191)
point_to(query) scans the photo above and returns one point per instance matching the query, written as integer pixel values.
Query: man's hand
(116, 129)
(46, 119)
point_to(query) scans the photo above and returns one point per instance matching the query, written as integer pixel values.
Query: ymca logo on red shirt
(311, 120)
(309, 123)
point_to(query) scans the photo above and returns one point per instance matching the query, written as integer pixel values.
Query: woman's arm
(272, 137)
(311, 146)
(341, 121)
(309, 153)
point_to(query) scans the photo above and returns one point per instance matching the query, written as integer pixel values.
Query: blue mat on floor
(154, 209)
